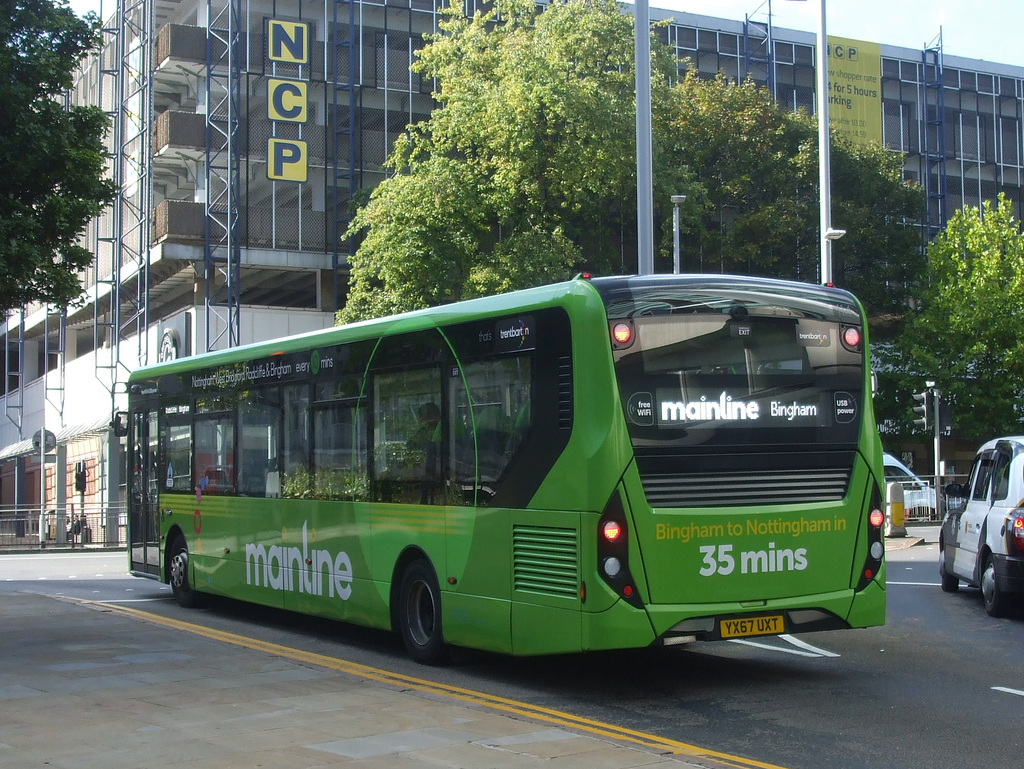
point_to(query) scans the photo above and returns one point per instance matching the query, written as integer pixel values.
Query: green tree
(965, 334)
(526, 172)
(757, 202)
(52, 156)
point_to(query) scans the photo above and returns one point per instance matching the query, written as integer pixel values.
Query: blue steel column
(222, 249)
(344, 77)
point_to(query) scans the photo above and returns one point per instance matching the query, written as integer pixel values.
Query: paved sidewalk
(81, 687)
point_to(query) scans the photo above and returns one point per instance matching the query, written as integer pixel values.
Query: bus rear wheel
(180, 584)
(419, 614)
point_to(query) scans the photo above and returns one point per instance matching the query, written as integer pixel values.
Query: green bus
(603, 463)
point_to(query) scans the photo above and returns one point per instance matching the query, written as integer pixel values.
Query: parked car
(918, 495)
(982, 539)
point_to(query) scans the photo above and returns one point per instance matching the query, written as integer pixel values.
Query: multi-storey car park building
(242, 130)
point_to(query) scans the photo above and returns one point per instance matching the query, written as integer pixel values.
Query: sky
(975, 29)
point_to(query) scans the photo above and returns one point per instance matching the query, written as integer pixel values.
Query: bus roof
(415, 320)
(834, 302)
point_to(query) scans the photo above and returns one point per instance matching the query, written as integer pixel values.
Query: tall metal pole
(676, 200)
(824, 168)
(644, 152)
(675, 238)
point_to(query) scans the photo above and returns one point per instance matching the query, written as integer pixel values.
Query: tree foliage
(756, 194)
(526, 172)
(52, 156)
(965, 335)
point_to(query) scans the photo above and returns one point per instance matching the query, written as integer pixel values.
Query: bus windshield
(711, 366)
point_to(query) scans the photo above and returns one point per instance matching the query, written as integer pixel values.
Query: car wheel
(419, 614)
(181, 586)
(950, 583)
(995, 599)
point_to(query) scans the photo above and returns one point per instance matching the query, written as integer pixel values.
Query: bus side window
(408, 436)
(339, 451)
(500, 391)
(293, 463)
(259, 427)
(178, 453)
(215, 454)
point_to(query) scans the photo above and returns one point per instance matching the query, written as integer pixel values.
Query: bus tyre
(995, 599)
(180, 584)
(419, 614)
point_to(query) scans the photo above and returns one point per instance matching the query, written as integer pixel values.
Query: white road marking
(1018, 692)
(771, 648)
(804, 645)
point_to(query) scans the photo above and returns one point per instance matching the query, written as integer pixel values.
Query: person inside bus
(428, 439)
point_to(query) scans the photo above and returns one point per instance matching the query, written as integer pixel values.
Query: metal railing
(90, 526)
(928, 504)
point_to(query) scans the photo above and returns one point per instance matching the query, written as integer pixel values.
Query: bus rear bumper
(831, 611)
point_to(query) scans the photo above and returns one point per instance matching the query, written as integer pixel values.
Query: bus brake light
(611, 530)
(877, 518)
(622, 333)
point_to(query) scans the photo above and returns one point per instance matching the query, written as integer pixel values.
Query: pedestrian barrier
(23, 528)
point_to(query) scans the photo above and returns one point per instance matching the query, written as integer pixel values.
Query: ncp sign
(287, 100)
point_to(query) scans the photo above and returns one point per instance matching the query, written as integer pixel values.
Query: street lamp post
(824, 165)
(644, 142)
(827, 234)
(676, 200)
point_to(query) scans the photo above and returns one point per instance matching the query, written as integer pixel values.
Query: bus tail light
(613, 551)
(876, 547)
(622, 333)
(1015, 532)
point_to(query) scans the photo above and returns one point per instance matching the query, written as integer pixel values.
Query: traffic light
(80, 476)
(923, 411)
(945, 417)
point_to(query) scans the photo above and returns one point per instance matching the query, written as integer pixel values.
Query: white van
(982, 540)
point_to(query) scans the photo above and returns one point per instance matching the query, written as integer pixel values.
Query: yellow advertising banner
(855, 89)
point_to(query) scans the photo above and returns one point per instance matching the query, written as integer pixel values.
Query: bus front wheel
(419, 614)
(180, 584)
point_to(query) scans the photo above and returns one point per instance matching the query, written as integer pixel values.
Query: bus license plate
(748, 626)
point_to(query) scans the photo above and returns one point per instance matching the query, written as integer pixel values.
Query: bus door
(143, 524)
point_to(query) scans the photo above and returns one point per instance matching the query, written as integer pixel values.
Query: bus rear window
(725, 372)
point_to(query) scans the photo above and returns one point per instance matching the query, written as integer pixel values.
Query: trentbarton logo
(293, 569)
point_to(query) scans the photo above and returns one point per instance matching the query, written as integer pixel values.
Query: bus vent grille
(714, 489)
(545, 560)
(564, 392)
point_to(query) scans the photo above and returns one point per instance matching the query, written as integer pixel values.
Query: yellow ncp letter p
(286, 160)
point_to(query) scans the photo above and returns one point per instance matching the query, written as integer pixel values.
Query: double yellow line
(481, 699)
